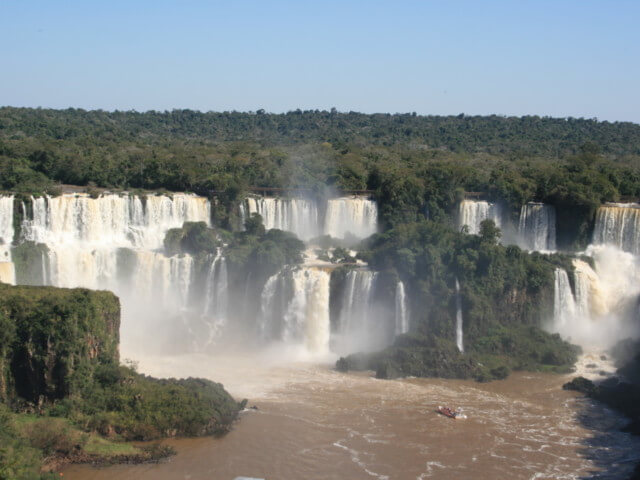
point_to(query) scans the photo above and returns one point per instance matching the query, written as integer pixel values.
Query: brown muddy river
(315, 423)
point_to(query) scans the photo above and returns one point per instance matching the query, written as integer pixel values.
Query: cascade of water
(459, 334)
(268, 315)
(402, 315)
(537, 227)
(307, 315)
(112, 220)
(296, 215)
(355, 215)
(618, 224)
(564, 305)
(7, 270)
(473, 212)
(6, 227)
(359, 327)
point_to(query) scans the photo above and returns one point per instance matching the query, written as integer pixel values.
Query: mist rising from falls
(473, 212)
(603, 308)
(618, 224)
(402, 310)
(537, 227)
(459, 333)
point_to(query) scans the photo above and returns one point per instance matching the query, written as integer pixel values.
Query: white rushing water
(7, 270)
(115, 242)
(358, 327)
(297, 215)
(537, 227)
(603, 306)
(459, 334)
(294, 309)
(618, 224)
(473, 212)
(357, 216)
(402, 310)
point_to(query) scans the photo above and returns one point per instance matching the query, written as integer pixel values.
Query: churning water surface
(315, 423)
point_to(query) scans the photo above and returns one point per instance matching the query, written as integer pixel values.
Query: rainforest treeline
(417, 166)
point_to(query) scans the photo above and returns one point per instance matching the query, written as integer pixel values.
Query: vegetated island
(65, 397)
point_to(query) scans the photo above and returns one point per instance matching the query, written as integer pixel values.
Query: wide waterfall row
(536, 228)
(618, 224)
(472, 213)
(357, 216)
(112, 220)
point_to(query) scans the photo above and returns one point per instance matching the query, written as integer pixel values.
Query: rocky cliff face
(56, 338)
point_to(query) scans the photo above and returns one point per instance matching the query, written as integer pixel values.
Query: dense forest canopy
(417, 166)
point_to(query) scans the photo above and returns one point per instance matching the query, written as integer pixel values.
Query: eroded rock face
(60, 336)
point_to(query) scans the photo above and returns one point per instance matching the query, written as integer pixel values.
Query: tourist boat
(447, 412)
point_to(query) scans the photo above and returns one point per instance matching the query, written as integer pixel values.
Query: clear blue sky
(576, 58)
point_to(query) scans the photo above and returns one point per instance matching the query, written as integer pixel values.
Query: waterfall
(537, 227)
(355, 215)
(7, 271)
(618, 224)
(459, 334)
(112, 220)
(294, 308)
(564, 305)
(296, 215)
(307, 315)
(472, 213)
(242, 213)
(359, 328)
(115, 242)
(402, 317)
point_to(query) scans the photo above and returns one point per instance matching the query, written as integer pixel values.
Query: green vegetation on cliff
(504, 294)
(59, 358)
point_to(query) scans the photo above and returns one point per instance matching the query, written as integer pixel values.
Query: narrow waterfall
(459, 333)
(296, 215)
(7, 271)
(358, 326)
(355, 215)
(564, 305)
(472, 213)
(402, 314)
(537, 227)
(618, 224)
(307, 315)
(270, 299)
(6, 227)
